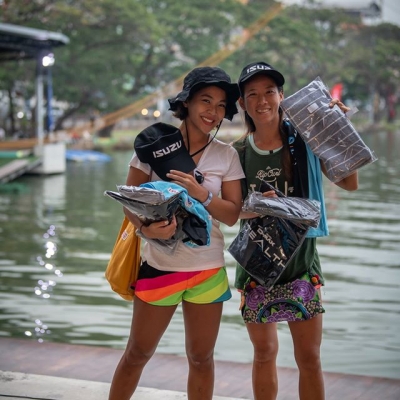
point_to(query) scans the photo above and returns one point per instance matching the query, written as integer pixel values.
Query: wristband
(208, 200)
(140, 228)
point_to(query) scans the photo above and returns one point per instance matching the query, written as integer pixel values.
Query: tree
(306, 42)
(374, 56)
(119, 51)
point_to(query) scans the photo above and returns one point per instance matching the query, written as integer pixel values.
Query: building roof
(20, 42)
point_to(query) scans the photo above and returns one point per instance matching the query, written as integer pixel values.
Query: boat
(86, 155)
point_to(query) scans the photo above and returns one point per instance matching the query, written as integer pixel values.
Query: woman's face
(206, 108)
(261, 99)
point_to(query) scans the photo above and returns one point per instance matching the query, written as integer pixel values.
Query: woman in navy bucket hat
(210, 171)
(205, 76)
(272, 151)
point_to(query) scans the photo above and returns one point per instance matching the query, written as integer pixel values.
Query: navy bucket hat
(208, 76)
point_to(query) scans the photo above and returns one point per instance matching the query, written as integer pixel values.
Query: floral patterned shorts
(293, 301)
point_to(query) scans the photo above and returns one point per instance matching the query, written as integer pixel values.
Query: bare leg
(265, 377)
(307, 337)
(201, 330)
(148, 325)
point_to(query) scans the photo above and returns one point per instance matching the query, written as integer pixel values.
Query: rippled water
(57, 234)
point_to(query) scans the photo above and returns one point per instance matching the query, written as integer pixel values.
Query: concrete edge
(55, 388)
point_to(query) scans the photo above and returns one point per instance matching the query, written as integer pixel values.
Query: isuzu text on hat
(162, 147)
(260, 67)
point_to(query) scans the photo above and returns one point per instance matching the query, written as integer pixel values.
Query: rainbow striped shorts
(168, 288)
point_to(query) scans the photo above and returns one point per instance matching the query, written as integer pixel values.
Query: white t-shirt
(218, 163)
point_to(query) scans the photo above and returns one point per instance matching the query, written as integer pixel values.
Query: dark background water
(57, 233)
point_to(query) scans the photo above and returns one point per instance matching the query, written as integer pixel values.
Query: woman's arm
(225, 208)
(349, 183)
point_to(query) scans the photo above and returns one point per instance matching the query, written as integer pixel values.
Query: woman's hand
(242, 300)
(189, 182)
(249, 214)
(337, 102)
(160, 230)
(270, 193)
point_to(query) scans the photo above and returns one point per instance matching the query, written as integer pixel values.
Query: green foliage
(119, 51)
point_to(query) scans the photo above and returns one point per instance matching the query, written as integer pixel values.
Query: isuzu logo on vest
(167, 150)
(256, 67)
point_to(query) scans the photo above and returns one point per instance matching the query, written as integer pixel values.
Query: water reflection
(64, 223)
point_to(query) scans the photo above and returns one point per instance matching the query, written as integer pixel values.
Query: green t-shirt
(260, 166)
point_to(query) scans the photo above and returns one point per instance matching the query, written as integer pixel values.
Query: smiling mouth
(264, 111)
(207, 120)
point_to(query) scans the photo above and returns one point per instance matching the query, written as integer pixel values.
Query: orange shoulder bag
(123, 268)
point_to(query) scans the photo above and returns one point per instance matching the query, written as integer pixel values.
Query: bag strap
(291, 134)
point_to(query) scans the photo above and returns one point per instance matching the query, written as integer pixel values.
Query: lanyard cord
(198, 151)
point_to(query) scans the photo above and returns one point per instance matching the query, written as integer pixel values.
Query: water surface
(57, 234)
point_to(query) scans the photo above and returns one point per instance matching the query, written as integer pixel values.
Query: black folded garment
(265, 246)
(295, 209)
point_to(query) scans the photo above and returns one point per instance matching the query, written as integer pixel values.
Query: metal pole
(39, 102)
(49, 100)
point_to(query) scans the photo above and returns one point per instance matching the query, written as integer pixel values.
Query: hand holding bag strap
(123, 267)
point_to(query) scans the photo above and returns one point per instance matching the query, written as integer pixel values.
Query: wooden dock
(169, 372)
(17, 158)
(21, 144)
(15, 168)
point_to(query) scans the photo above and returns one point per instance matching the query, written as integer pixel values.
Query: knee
(200, 360)
(137, 355)
(308, 359)
(265, 352)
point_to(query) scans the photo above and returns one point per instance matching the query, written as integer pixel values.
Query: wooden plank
(16, 168)
(169, 372)
(12, 167)
(20, 144)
